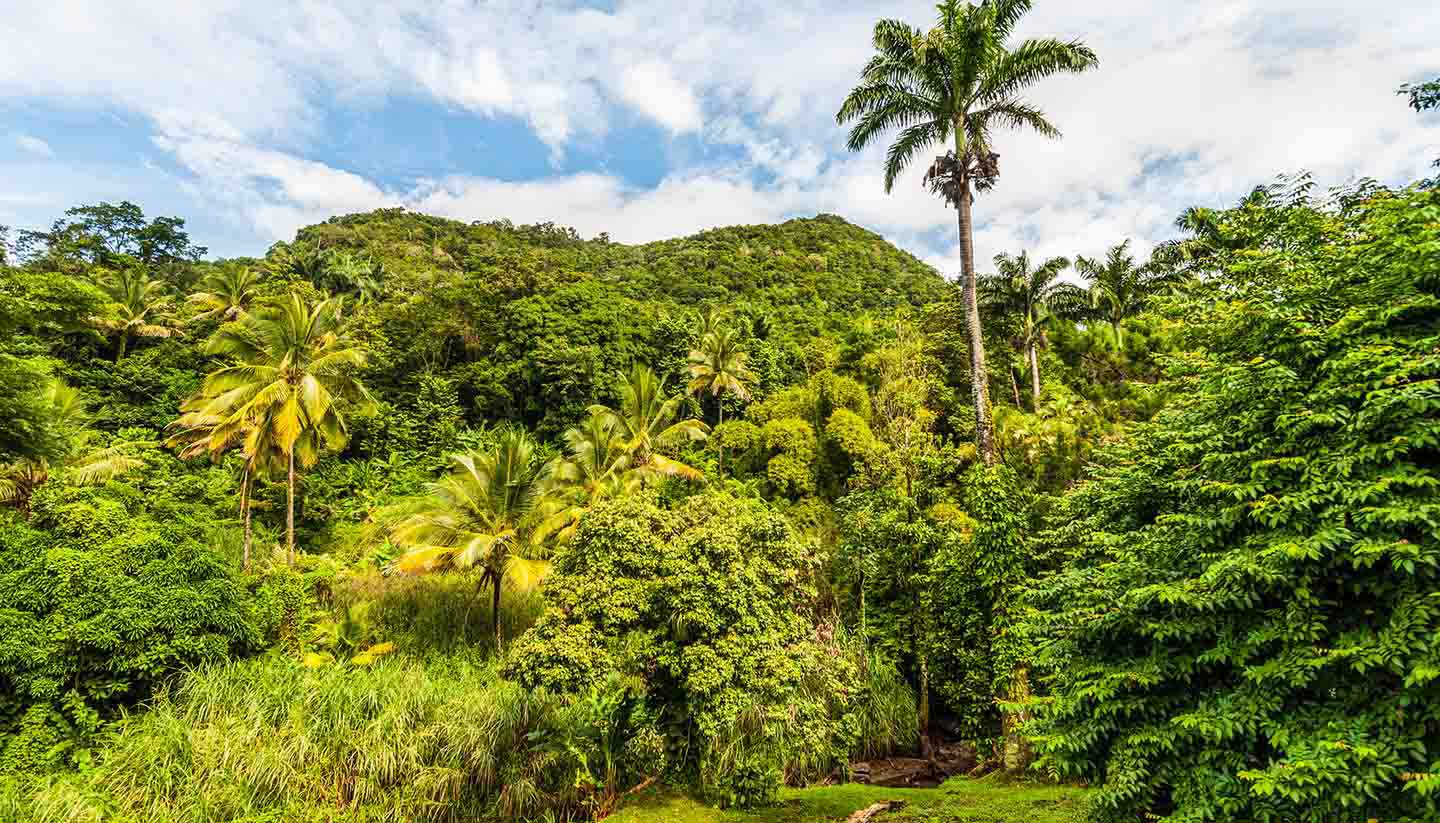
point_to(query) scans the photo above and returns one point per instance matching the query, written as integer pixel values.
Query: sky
(650, 119)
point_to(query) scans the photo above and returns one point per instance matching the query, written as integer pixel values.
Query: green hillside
(533, 323)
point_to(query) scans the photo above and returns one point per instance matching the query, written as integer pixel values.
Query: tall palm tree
(596, 469)
(1035, 296)
(954, 86)
(293, 367)
(648, 421)
(484, 515)
(139, 307)
(86, 463)
(718, 367)
(227, 293)
(1120, 289)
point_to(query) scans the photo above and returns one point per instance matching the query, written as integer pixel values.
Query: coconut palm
(718, 367)
(596, 468)
(955, 86)
(484, 515)
(648, 421)
(85, 463)
(1035, 296)
(228, 293)
(199, 431)
(293, 366)
(712, 319)
(1120, 289)
(139, 307)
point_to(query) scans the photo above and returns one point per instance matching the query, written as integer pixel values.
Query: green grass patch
(959, 801)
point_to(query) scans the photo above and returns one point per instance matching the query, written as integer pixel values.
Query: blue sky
(650, 118)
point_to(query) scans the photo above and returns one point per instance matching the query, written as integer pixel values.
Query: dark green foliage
(1424, 97)
(1250, 628)
(33, 304)
(100, 598)
(109, 234)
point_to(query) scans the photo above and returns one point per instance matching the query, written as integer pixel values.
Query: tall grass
(439, 614)
(270, 740)
(887, 714)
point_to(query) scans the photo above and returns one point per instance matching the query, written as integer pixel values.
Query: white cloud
(34, 145)
(651, 87)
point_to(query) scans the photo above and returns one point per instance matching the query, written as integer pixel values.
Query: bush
(100, 607)
(705, 605)
(1250, 628)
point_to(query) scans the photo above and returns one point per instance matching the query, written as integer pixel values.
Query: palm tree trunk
(1034, 375)
(120, 350)
(1119, 336)
(246, 484)
(290, 507)
(980, 390)
(495, 609)
(721, 405)
(1014, 387)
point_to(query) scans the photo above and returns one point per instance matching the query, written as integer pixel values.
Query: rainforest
(410, 518)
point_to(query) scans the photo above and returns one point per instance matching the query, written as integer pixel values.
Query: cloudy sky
(656, 118)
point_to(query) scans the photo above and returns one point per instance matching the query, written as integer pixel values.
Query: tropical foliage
(752, 508)
(1252, 575)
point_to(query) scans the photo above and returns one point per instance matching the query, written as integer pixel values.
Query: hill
(533, 323)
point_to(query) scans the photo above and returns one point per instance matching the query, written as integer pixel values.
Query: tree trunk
(980, 390)
(290, 507)
(718, 424)
(1018, 753)
(1035, 375)
(1119, 336)
(495, 609)
(246, 487)
(1014, 387)
(926, 750)
(124, 343)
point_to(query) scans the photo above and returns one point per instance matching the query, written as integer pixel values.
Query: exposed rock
(869, 812)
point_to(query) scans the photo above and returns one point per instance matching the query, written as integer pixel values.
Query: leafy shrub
(705, 605)
(101, 598)
(1250, 628)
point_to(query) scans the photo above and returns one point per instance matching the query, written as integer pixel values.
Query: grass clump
(269, 739)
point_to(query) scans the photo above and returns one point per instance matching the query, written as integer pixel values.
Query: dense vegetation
(416, 519)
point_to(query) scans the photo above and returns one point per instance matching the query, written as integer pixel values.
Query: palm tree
(86, 464)
(597, 469)
(647, 421)
(955, 86)
(200, 431)
(718, 367)
(712, 319)
(1035, 296)
(1119, 289)
(228, 293)
(293, 365)
(484, 515)
(139, 306)
(354, 277)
